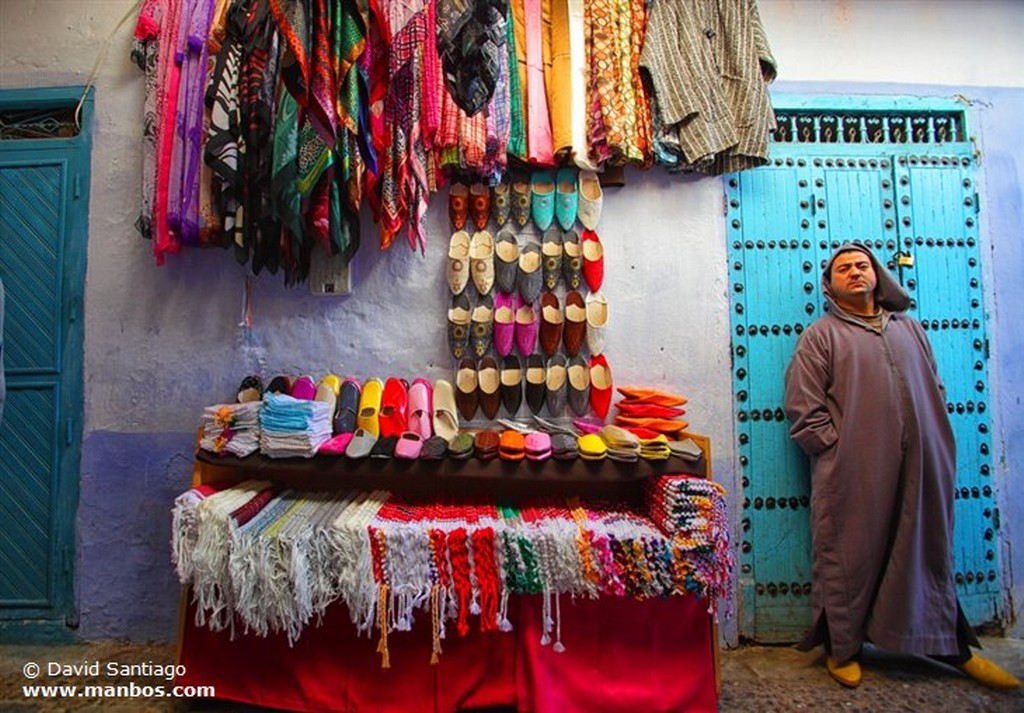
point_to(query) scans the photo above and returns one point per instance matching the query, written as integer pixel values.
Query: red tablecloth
(621, 655)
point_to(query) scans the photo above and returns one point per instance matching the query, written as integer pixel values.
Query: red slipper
(643, 394)
(661, 425)
(593, 259)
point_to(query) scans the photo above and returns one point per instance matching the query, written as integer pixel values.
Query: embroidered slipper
(501, 200)
(520, 210)
(481, 261)
(542, 199)
(597, 321)
(530, 278)
(458, 262)
(467, 389)
(574, 330)
(506, 261)
(526, 329)
(458, 204)
(551, 250)
(459, 317)
(555, 385)
(578, 375)
(504, 326)
(572, 260)
(551, 323)
(567, 201)
(482, 326)
(480, 205)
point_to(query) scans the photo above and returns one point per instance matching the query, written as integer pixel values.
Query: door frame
(59, 621)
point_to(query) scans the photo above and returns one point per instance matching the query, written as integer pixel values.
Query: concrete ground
(754, 678)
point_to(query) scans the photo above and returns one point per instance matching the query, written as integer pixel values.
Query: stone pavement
(754, 678)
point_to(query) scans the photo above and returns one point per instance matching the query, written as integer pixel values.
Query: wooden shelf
(447, 476)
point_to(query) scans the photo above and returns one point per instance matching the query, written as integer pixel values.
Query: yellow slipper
(846, 674)
(988, 673)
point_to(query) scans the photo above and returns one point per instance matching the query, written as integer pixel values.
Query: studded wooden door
(44, 197)
(897, 175)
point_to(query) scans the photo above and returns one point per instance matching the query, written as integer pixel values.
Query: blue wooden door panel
(43, 212)
(783, 221)
(939, 229)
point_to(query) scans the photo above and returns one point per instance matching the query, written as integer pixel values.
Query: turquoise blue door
(898, 175)
(44, 170)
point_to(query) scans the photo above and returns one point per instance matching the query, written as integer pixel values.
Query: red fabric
(621, 654)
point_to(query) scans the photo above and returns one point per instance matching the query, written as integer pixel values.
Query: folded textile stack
(293, 427)
(656, 448)
(271, 562)
(693, 511)
(231, 429)
(648, 412)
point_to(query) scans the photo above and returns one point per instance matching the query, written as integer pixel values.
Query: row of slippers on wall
(506, 321)
(488, 262)
(394, 419)
(545, 198)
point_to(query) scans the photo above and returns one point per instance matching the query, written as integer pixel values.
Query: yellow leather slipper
(988, 673)
(847, 674)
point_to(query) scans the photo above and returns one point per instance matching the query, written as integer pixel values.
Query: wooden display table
(620, 653)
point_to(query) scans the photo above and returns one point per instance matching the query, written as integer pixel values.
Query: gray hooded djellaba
(867, 406)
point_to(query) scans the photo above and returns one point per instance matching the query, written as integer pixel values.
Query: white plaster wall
(909, 41)
(161, 343)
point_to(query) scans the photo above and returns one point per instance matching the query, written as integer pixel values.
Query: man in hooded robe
(866, 404)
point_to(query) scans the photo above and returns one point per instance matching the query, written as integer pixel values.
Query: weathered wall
(161, 343)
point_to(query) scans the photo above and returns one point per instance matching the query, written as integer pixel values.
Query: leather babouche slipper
(504, 326)
(393, 406)
(336, 445)
(572, 260)
(536, 383)
(574, 330)
(644, 394)
(989, 673)
(303, 388)
(348, 406)
(506, 261)
(384, 447)
(489, 386)
(555, 385)
(668, 426)
(564, 447)
(458, 204)
(551, 251)
(567, 197)
(656, 448)
(482, 326)
(485, 444)
(578, 374)
(551, 323)
(481, 261)
(600, 385)
(847, 674)
(687, 449)
(591, 199)
(459, 317)
(458, 262)
(461, 446)
(538, 445)
(251, 389)
(634, 408)
(281, 384)
(542, 199)
(592, 447)
(420, 408)
(446, 417)
(467, 392)
(511, 445)
(409, 445)
(479, 204)
(530, 278)
(501, 200)
(593, 260)
(361, 444)
(527, 328)
(520, 210)
(434, 448)
(597, 321)
(511, 384)
(368, 418)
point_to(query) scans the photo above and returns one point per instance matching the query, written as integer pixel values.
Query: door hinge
(77, 186)
(69, 433)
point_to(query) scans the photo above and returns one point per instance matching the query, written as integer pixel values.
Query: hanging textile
(709, 64)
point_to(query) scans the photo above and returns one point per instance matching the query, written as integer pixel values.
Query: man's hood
(889, 294)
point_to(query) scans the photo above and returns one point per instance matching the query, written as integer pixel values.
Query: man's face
(853, 277)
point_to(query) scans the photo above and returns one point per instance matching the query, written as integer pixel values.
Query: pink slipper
(419, 411)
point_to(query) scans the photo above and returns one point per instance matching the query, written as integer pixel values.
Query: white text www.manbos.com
(131, 690)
